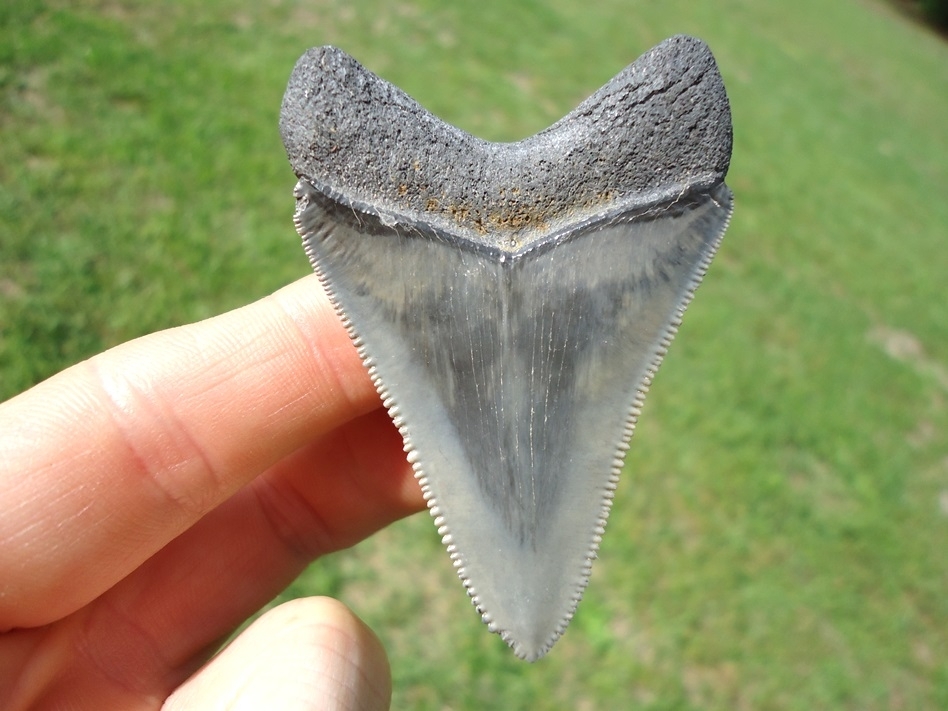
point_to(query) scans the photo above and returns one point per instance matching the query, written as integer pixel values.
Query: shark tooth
(512, 301)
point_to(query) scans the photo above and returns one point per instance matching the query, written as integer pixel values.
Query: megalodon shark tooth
(512, 301)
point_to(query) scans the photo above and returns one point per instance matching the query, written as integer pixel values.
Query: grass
(778, 540)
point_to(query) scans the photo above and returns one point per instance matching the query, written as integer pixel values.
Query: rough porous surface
(365, 141)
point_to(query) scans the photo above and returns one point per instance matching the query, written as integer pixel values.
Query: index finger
(104, 463)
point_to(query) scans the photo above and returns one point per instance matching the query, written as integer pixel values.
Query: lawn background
(780, 535)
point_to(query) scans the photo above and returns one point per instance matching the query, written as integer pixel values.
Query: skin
(158, 494)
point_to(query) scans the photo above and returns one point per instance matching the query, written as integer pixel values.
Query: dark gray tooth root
(512, 301)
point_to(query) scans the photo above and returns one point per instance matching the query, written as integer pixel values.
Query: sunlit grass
(779, 536)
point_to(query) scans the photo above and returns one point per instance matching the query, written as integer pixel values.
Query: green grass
(780, 536)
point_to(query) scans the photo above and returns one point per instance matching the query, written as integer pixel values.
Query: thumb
(311, 653)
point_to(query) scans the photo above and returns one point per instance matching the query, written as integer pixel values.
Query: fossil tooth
(512, 301)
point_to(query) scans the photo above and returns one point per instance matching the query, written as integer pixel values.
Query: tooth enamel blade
(513, 301)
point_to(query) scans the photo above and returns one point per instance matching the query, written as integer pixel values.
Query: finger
(201, 586)
(103, 464)
(155, 628)
(306, 654)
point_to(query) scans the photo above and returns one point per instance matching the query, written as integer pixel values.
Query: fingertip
(310, 653)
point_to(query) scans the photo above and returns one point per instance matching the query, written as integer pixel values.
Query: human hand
(155, 496)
